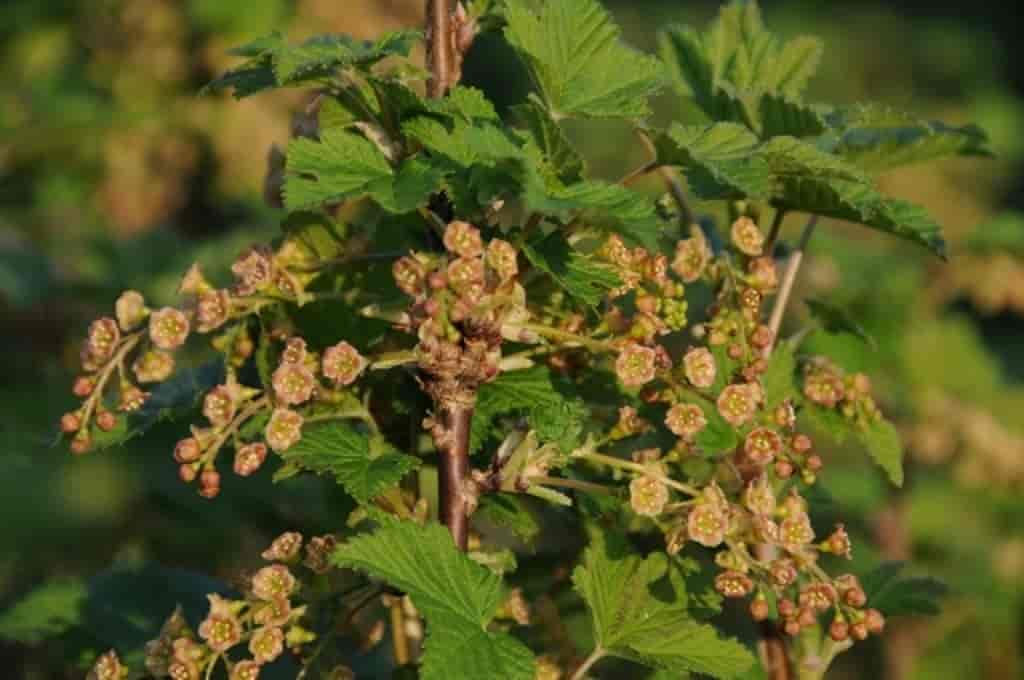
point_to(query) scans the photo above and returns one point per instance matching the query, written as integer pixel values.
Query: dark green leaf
(894, 595)
(584, 278)
(834, 319)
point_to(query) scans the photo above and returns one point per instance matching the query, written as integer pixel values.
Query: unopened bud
(70, 422)
(106, 421)
(83, 387)
(187, 450)
(839, 631)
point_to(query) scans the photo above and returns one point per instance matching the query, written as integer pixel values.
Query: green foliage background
(114, 173)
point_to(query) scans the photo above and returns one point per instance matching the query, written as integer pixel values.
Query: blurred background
(115, 173)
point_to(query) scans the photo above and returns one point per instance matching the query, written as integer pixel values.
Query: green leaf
(511, 392)
(365, 466)
(167, 400)
(718, 436)
(878, 138)
(457, 597)
(883, 444)
(825, 421)
(718, 159)
(561, 424)
(273, 63)
(465, 144)
(582, 277)
(779, 380)
(559, 153)
(640, 611)
(737, 71)
(835, 319)
(577, 61)
(411, 187)
(340, 166)
(50, 610)
(510, 511)
(894, 595)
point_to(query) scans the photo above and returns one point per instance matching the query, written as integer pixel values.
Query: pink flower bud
(266, 644)
(636, 365)
(221, 404)
(83, 387)
(168, 328)
(733, 584)
(130, 310)
(221, 629)
(410, 275)
(707, 524)
(245, 670)
(70, 423)
(763, 274)
(342, 364)
(691, 258)
(795, 531)
(284, 429)
(463, 239)
(106, 421)
(746, 236)
(465, 274)
(699, 367)
(293, 384)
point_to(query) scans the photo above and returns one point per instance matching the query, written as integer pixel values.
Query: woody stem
(453, 472)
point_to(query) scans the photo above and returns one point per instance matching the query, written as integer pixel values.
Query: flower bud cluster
(827, 385)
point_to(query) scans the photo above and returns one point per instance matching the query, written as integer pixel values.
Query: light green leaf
(511, 392)
(416, 180)
(718, 159)
(835, 319)
(465, 144)
(273, 63)
(577, 61)
(511, 511)
(640, 611)
(883, 444)
(365, 466)
(879, 138)
(50, 610)
(457, 597)
(584, 278)
(779, 380)
(895, 595)
(559, 153)
(781, 116)
(340, 166)
(718, 436)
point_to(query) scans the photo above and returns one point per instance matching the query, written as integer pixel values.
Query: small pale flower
(168, 328)
(108, 667)
(747, 238)
(763, 274)
(502, 259)
(762, 445)
(249, 458)
(221, 404)
(692, 256)
(103, 338)
(276, 612)
(285, 547)
(288, 285)
(795, 531)
(636, 365)
(759, 497)
(737, 404)
(699, 367)
(266, 644)
(294, 351)
(733, 584)
(254, 270)
(686, 420)
(130, 310)
(193, 283)
(153, 366)
(839, 543)
(245, 670)
(818, 596)
(824, 387)
(629, 423)
(293, 384)
(648, 496)
(463, 239)
(272, 582)
(221, 629)
(183, 670)
(318, 553)
(707, 525)
(465, 274)
(187, 650)
(783, 572)
(284, 429)
(212, 310)
(410, 276)
(342, 364)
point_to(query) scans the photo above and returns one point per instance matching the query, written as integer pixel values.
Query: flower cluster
(826, 385)
(265, 623)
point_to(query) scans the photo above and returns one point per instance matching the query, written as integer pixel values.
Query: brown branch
(454, 471)
(788, 279)
(440, 47)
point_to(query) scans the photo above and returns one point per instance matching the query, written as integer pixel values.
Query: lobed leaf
(581, 276)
